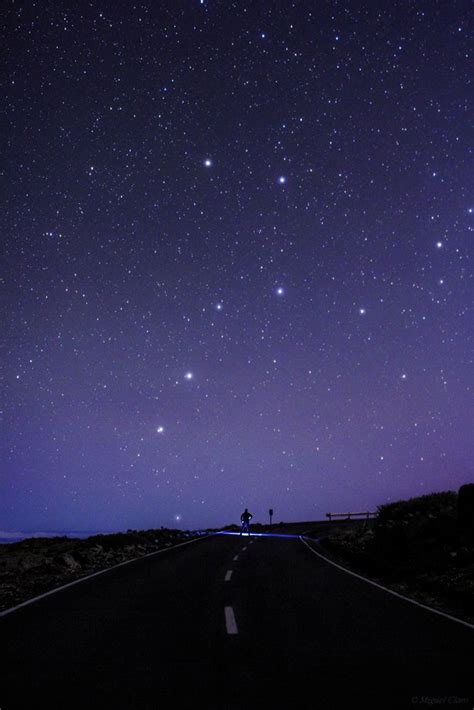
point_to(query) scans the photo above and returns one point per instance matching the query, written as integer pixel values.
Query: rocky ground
(37, 565)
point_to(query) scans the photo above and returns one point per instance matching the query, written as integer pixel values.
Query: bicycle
(245, 527)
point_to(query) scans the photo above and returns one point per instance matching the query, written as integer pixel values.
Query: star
(439, 245)
(189, 376)
(362, 311)
(219, 306)
(282, 179)
(160, 429)
(208, 163)
(280, 291)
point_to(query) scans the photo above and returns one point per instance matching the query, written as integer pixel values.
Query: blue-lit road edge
(263, 615)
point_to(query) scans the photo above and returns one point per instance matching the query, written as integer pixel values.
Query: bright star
(189, 375)
(208, 163)
(160, 429)
(280, 291)
(439, 244)
(219, 306)
(282, 179)
(362, 311)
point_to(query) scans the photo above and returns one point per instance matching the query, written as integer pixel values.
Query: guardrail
(348, 516)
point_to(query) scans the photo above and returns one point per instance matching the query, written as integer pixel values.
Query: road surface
(229, 622)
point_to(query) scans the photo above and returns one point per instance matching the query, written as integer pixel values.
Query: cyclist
(245, 518)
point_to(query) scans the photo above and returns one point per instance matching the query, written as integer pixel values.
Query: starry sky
(237, 259)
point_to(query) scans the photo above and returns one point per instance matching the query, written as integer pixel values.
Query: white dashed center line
(236, 558)
(228, 575)
(230, 624)
(244, 548)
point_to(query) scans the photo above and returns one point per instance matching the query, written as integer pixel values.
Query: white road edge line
(228, 575)
(230, 623)
(386, 589)
(96, 574)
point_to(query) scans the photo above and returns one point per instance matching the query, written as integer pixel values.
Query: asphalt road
(229, 622)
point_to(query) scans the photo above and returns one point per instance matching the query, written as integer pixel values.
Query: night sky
(237, 244)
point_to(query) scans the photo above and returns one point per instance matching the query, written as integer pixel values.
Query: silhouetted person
(245, 518)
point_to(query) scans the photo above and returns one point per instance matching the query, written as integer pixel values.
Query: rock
(96, 549)
(90, 555)
(67, 560)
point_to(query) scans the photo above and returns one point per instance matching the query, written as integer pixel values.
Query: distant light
(177, 517)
